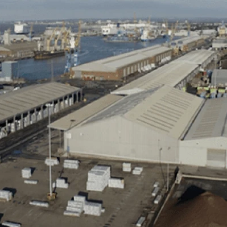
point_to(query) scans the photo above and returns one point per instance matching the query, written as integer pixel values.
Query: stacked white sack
(126, 167)
(30, 181)
(39, 203)
(71, 164)
(116, 183)
(11, 224)
(60, 183)
(98, 178)
(26, 172)
(93, 208)
(6, 195)
(137, 170)
(75, 207)
(51, 161)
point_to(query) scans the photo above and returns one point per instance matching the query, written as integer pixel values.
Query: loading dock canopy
(28, 98)
(77, 117)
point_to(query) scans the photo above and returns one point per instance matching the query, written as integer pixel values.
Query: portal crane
(189, 28)
(50, 38)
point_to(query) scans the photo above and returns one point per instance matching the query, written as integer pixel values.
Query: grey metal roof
(211, 121)
(77, 117)
(190, 39)
(170, 74)
(166, 110)
(123, 106)
(197, 56)
(3, 49)
(20, 101)
(219, 77)
(111, 64)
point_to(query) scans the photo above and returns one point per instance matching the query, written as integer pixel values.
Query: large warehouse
(120, 66)
(142, 126)
(151, 119)
(26, 106)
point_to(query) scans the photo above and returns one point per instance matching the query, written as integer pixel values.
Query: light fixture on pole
(50, 195)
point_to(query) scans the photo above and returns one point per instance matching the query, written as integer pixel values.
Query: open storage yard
(123, 207)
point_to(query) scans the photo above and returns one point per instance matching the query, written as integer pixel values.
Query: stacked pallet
(126, 167)
(51, 161)
(60, 183)
(98, 178)
(137, 170)
(11, 224)
(91, 208)
(39, 203)
(116, 183)
(30, 181)
(71, 164)
(75, 207)
(26, 172)
(6, 195)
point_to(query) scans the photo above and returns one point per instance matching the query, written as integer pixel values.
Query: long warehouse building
(28, 105)
(145, 120)
(120, 66)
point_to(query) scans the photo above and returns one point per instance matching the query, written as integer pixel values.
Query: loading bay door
(216, 158)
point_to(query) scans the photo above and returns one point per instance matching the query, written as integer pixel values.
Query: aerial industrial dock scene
(113, 114)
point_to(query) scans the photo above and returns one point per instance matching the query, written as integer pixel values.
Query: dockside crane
(76, 51)
(189, 28)
(50, 38)
(30, 32)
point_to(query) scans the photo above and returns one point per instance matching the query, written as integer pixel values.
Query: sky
(85, 9)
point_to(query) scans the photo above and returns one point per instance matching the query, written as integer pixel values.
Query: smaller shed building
(26, 106)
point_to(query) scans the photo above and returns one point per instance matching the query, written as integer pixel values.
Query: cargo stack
(71, 164)
(91, 208)
(60, 183)
(137, 170)
(51, 161)
(6, 195)
(116, 183)
(26, 172)
(126, 167)
(98, 178)
(79, 204)
(11, 224)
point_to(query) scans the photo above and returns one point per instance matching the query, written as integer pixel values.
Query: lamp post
(49, 140)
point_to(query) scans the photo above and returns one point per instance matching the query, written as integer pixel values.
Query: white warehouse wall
(118, 137)
(194, 152)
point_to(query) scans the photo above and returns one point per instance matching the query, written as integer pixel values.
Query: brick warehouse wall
(124, 71)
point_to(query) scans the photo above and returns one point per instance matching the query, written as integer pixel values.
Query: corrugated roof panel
(27, 98)
(167, 110)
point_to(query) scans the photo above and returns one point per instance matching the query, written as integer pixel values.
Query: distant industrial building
(9, 71)
(219, 78)
(150, 119)
(120, 66)
(205, 143)
(219, 43)
(26, 106)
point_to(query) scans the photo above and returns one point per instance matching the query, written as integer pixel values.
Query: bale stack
(51, 161)
(11, 224)
(60, 183)
(6, 195)
(79, 204)
(26, 172)
(116, 183)
(71, 164)
(126, 167)
(98, 178)
(91, 208)
(137, 170)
